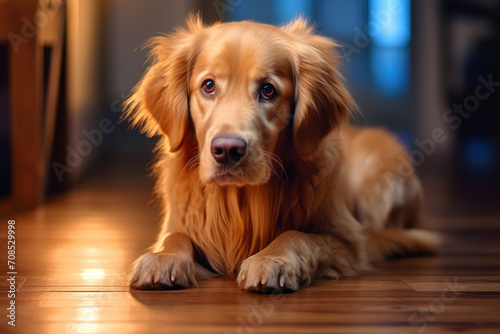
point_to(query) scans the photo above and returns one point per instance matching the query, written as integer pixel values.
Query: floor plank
(458, 284)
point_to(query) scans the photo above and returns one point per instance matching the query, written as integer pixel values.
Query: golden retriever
(260, 176)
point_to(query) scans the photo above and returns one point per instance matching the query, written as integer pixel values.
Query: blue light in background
(339, 18)
(479, 154)
(391, 70)
(287, 10)
(389, 22)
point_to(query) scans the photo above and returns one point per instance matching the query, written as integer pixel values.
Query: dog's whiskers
(193, 162)
(277, 161)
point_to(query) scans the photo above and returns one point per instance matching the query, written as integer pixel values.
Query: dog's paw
(162, 271)
(271, 274)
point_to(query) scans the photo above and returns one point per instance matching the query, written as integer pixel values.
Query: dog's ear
(322, 102)
(159, 103)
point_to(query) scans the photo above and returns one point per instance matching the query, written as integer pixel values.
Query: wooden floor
(72, 256)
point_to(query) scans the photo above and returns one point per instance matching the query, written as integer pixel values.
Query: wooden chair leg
(26, 71)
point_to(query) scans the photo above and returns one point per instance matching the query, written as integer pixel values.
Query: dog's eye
(267, 91)
(208, 87)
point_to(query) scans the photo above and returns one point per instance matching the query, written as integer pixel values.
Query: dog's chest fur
(233, 223)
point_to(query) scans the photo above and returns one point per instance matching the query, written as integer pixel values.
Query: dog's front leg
(170, 267)
(294, 258)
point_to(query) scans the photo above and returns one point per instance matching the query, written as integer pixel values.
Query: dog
(260, 175)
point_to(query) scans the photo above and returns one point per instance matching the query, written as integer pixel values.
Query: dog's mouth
(225, 176)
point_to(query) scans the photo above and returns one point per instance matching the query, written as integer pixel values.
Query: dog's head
(240, 90)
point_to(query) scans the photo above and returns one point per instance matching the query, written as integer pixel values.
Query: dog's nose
(227, 150)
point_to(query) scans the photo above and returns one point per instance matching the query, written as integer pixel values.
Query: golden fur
(283, 214)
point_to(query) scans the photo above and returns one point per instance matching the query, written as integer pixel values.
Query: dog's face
(241, 93)
(239, 88)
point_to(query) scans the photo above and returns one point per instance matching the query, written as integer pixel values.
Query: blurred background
(428, 70)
